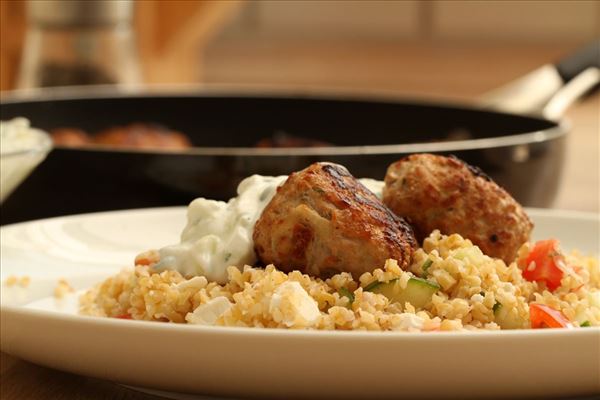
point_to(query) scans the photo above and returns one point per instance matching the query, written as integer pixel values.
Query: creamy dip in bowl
(22, 148)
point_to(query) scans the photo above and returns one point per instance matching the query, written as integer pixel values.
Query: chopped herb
(345, 292)
(318, 190)
(424, 282)
(372, 286)
(496, 307)
(426, 265)
(376, 284)
(227, 256)
(585, 324)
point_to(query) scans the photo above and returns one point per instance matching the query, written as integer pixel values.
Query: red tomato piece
(546, 255)
(148, 258)
(543, 316)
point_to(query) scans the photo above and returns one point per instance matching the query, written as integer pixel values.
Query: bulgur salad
(246, 263)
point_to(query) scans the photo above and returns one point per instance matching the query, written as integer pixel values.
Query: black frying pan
(522, 153)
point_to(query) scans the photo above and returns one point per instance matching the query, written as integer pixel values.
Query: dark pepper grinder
(73, 42)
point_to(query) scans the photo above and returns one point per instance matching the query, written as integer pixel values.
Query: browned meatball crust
(70, 137)
(323, 221)
(142, 136)
(436, 192)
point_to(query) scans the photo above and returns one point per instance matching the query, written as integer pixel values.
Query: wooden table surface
(459, 79)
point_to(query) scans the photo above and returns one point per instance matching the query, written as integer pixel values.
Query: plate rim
(268, 332)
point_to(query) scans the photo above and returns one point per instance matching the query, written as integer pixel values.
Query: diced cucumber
(507, 318)
(347, 293)
(373, 285)
(426, 266)
(418, 292)
(496, 308)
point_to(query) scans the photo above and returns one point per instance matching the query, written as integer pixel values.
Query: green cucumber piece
(496, 308)
(417, 292)
(345, 292)
(373, 285)
(426, 266)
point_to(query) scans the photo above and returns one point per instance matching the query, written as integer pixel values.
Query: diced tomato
(147, 258)
(543, 316)
(546, 255)
(124, 316)
(142, 261)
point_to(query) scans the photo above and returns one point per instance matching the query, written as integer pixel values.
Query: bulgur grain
(471, 286)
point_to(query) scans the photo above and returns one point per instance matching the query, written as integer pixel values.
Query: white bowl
(17, 164)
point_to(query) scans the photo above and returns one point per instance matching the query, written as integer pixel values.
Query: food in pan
(286, 140)
(142, 136)
(353, 265)
(71, 137)
(139, 135)
(135, 135)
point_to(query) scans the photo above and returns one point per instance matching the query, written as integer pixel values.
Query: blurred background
(448, 50)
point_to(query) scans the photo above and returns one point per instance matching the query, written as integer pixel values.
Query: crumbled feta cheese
(197, 282)
(409, 322)
(292, 306)
(208, 313)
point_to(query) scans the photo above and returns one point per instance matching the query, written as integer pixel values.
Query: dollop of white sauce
(22, 148)
(18, 135)
(374, 186)
(219, 234)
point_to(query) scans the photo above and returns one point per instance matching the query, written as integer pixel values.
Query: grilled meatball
(142, 136)
(70, 137)
(323, 221)
(435, 192)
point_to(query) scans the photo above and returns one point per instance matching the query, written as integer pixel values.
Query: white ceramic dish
(268, 363)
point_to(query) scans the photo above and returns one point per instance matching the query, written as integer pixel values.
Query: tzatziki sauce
(18, 135)
(22, 148)
(218, 234)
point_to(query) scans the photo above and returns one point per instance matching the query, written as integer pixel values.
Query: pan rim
(560, 128)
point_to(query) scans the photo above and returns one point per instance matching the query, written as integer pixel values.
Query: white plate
(277, 363)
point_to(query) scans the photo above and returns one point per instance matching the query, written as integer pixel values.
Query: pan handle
(575, 88)
(573, 65)
(549, 90)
